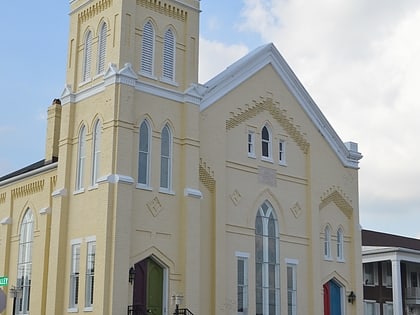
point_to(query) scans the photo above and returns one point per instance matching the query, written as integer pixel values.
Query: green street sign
(4, 281)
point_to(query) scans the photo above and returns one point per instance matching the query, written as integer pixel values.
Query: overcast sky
(358, 59)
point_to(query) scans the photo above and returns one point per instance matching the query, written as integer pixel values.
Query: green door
(148, 288)
(154, 288)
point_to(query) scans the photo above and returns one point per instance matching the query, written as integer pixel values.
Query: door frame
(165, 282)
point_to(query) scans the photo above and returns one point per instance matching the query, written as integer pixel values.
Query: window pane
(143, 168)
(164, 172)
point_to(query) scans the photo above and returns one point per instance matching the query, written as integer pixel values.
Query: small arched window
(87, 57)
(81, 157)
(144, 154)
(266, 143)
(24, 277)
(340, 244)
(169, 56)
(327, 242)
(147, 49)
(166, 158)
(97, 130)
(267, 268)
(102, 48)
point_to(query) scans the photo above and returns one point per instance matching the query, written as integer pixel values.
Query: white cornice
(127, 76)
(246, 67)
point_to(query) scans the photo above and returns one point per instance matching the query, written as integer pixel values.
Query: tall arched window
(166, 158)
(102, 48)
(96, 151)
(24, 274)
(87, 57)
(147, 49)
(144, 154)
(168, 71)
(267, 273)
(340, 244)
(81, 157)
(327, 242)
(266, 143)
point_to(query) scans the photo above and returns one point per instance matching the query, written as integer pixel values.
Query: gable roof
(247, 66)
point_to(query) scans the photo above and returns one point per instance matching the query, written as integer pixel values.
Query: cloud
(216, 56)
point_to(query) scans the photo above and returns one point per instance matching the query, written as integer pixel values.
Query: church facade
(231, 197)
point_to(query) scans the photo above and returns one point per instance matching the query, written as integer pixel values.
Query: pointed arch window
(169, 55)
(87, 57)
(267, 280)
(266, 143)
(144, 154)
(81, 157)
(24, 277)
(102, 48)
(340, 244)
(97, 130)
(166, 159)
(327, 242)
(147, 49)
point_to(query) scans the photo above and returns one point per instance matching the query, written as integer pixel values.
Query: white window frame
(169, 56)
(388, 308)
(24, 266)
(386, 267)
(374, 275)
(340, 245)
(144, 182)
(327, 243)
(282, 152)
(267, 213)
(242, 283)
(81, 160)
(166, 160)
(87, 57)
(375, 307)
(268, 143)
(74, 289)
(251, 143)
(102, 48)
(90, 274)
(96, 150)
(291, 265)
(148, 50)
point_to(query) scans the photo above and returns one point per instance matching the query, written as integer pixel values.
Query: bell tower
(129, 136)
(158, 38)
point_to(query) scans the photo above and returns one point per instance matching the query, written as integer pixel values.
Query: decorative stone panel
(280, 115)
(206, 176)
(164, 8)
(339, 198)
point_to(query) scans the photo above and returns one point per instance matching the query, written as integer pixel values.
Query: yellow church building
(158, 194)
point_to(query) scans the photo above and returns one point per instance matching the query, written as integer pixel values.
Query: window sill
(93, 187)
(85, 82)
(79, 191)
(341, 260)
(282, 163)
(328, 258)
(144, 187)
(72, 310)
(267, 159)
(147, 75)
(251, 156)
(169, 81)
(88, 309)
(166, 191)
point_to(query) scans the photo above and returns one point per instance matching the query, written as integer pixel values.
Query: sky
(358, 59)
